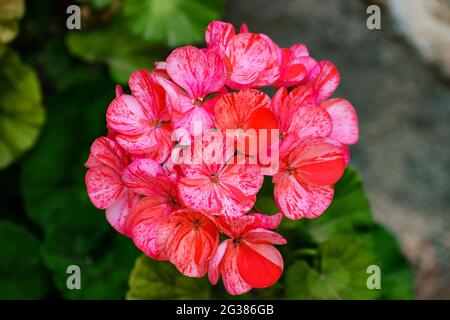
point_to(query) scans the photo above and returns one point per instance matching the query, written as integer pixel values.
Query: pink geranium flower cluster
(182, 164)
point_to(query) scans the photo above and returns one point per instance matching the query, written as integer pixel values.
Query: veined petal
(144, 222)
(104, 186)
(253, 61)
(311, 121)
(233, 110)
(190, 239)
(218, 34)
(326, 81)
(291, 198)
(141, 143)
(199, 73)
(126, 116)
(117, 213)
(231, 277)
(265, 221)
(150, 95)
(106, 152)
(345, 121)
(260, 235)
(216, 259)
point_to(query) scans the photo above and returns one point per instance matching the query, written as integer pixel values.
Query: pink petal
(265, 221)
(260, 265)
(321, 196)
(106, 152)
(189, 239)
(117, 214)
(126, 115)
(264, 236)
(345, 121)
(104, 186)
(245, 177)
(144, 222)
(311, 121)
(199, 73)
(141, 176)
(216, 259)
(140, 144)
(218, 34)
(144, 90)
(291, 197)
(327, 80)
(233, 110)
(252, 59)
(231, 277)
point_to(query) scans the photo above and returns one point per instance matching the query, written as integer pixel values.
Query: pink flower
(106, 189)
(304, 182)
(299, 116)
(197, 74)
(224, 188)
(251, 59)
(345, 121)
(141, 120)
(189, 238)
(295, 65)
(248, 259)
(324, 78)
(146, 177)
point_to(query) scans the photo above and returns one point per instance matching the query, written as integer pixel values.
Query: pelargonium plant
(187, 151)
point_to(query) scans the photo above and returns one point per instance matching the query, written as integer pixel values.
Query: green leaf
(397, 277)
(348, 213)
(22, 273)
(152, 279)
(21, 111)
(52, 180)
(173, 22)
(98, 4)
(340, 273)
(11, 11)
(122, 52)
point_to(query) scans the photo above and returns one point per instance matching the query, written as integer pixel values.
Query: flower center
(197, 224)
(236, 241)
(197, 102)
(214, 178)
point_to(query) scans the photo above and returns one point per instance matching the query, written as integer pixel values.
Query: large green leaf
(348, 213)
(112, 45)
(340, 272)
(11, 11)
(173, 22)
(21, 111)
(75, 233)
(151, 279)
(22, 273)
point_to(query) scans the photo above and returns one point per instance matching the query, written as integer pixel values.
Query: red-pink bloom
(197, 74)
(147, 177)
(220, 188)
(251, 59)
(189, 238)
(295, 66)
(345, 121)
(106, 189)
(304, 182)
(141, 120)
(239, 112)
(324, 78)
(299, 117)
(248, 259)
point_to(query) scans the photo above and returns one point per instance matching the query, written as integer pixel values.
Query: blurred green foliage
(46, 220)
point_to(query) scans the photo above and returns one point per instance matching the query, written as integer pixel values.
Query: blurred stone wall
(404, 111)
